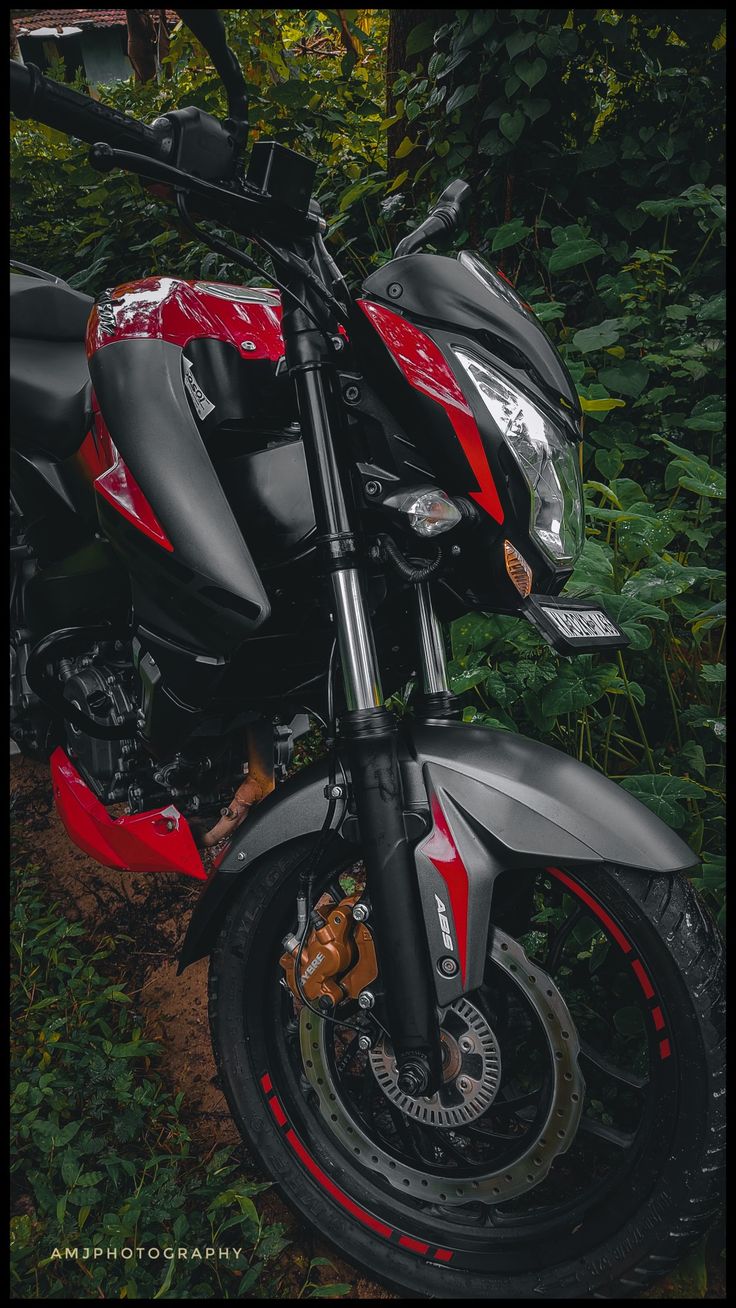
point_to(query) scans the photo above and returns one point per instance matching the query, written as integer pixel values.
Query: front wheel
(575, 1148)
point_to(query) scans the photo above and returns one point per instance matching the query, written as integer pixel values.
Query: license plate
(573, 626)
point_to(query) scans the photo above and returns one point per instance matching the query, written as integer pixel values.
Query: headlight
(546, 457)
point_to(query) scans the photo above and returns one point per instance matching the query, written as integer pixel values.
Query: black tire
(674, 1204)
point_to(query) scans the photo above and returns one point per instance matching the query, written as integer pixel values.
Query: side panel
(508, 802)
(140, 388)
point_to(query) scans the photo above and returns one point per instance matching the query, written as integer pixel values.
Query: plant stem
(635, 714)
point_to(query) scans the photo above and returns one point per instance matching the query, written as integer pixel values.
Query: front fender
(505, 801)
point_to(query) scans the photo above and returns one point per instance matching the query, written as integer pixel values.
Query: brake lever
(103, 158)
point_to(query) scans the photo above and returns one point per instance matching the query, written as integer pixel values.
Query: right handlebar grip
(34, 96)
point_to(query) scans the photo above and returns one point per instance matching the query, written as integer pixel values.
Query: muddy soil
(146, 917)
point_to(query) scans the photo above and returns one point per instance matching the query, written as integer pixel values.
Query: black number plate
(573, 626)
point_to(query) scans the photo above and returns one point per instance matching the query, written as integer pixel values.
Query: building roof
(31, 20)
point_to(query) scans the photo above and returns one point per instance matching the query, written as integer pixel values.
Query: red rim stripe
(416, 1246)
(637, 968)
(379, 1227)
(607, 921)
(643, 979)
(277, 1110)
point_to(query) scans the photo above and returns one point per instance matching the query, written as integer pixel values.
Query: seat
(50, 396)
(46, 310)
(50, 387)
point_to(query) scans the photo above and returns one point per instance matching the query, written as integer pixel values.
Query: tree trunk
(14, 46)
(142, 43)
(401, 22)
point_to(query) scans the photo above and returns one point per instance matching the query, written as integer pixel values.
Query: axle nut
(447, 966)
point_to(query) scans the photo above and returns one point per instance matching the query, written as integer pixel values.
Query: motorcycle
(466, 1008)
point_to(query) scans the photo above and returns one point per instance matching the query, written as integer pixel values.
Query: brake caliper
(338, 959)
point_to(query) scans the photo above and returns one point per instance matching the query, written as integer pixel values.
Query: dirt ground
(153, 912)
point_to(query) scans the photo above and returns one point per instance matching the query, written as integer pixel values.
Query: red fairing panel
(426, 369)
(440, 848)
(118, 485)
(169, 309)
(158, 841)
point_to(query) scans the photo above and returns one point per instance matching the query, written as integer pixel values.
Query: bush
(100, 1157)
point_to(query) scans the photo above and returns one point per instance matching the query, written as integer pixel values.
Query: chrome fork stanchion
(431, 644)
(436, 700)
(361, 678)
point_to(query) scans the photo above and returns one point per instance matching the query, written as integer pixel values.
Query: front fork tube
(369, 732)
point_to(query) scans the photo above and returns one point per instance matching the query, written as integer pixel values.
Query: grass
(100, 1157)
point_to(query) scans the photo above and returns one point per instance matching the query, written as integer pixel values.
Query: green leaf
(512, 125)
(518, 42)
(534, 108)
(662, 794)
(510, 234)
(530, 71)
(420, 37)
(576, 686)
(628, 378)
(573, 252)
(609, 463)
(598, 338)
(714, 672)
(460, 97)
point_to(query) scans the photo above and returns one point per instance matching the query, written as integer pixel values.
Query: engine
(103, 684)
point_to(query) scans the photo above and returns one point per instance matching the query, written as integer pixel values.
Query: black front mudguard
(492, 801)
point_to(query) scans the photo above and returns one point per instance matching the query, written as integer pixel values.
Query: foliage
(100, 1156)
(597, 164)
(305, 91)
(593, 140)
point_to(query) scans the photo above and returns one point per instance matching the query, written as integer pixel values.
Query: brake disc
(471, 1071)
(553, 1138)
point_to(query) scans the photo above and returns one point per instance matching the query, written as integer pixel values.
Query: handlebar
(34, 96)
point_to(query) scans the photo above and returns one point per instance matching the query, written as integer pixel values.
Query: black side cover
(140, 388)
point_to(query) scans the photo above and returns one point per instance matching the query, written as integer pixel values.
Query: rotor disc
(471, 1073)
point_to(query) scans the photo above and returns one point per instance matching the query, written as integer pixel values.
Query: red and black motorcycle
(420, 942)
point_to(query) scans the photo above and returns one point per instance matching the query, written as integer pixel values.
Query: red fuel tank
(170, 309)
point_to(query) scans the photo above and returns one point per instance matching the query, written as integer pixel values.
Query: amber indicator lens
(518, 569)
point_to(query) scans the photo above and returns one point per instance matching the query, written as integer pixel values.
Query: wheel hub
(471, 1071)
(553, 1137)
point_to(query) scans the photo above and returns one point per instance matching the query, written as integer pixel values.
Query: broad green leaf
(510, 234)
(627, 378)
(420, 37)
(512, 125)
(518, 42)
(460, 97)
(572, 253)
(530, 71)
(663, 795)
(597, 338)
(714, 672)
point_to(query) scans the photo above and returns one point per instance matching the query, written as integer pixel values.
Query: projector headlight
(546, 457)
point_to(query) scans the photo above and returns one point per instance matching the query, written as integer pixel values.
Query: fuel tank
(210, 483)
